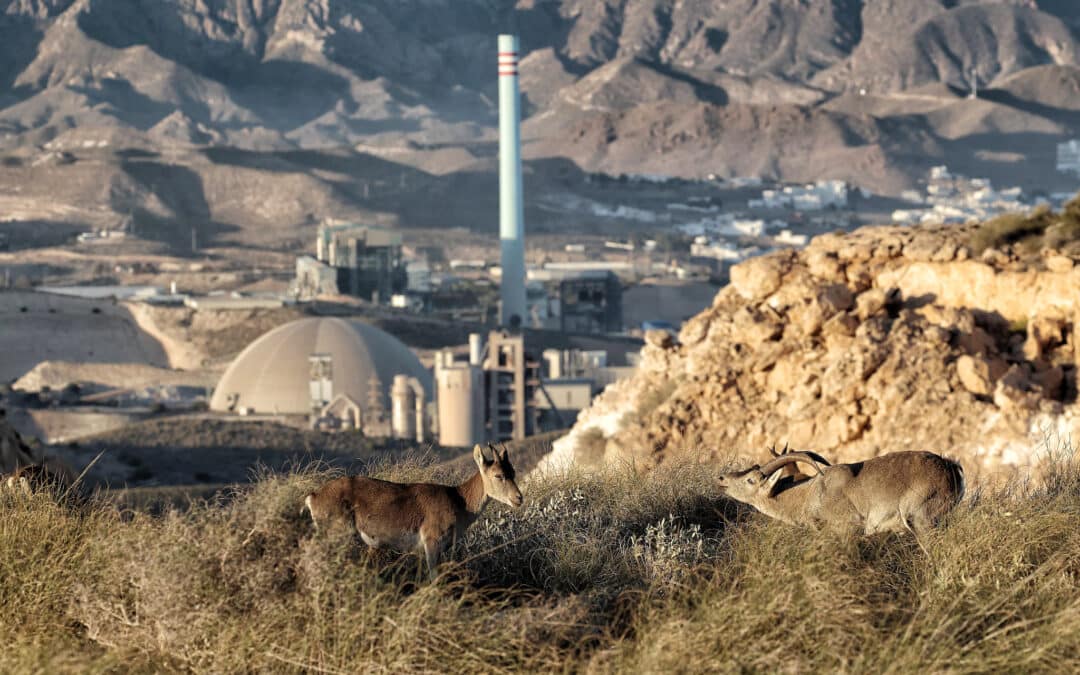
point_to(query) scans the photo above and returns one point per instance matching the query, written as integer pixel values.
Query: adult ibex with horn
(900, 491)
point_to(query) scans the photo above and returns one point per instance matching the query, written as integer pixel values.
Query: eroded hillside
(247, 121)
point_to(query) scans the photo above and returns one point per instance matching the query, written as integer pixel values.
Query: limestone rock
(1059, 264)
(1013, 391)
(841, 324)
(979, 375)
(694, 330)
(992, 256)
(807, 317)
(1042, 334)
(835, 298)
(872, 302)
(825, 265)
(921, 248)
(1051, 381)
(758, 278)
(858, 345)
(977, 342)
(945, 252)
(755, 327)
(659, 338)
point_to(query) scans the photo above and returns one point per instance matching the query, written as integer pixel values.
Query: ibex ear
(502, 454)
(478, 456)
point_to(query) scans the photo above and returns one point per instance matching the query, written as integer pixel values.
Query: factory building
(337, 373)
(492, 396)
(591, 303)
(368, 259)
(352, 259)
(502, 392)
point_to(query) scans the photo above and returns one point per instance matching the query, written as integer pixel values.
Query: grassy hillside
(618, 572)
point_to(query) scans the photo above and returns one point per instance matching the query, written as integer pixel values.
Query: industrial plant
(346, 375)
(350, 259)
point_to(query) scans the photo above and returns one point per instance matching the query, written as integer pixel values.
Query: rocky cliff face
(881, 340)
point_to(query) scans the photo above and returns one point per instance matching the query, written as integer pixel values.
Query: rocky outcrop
(880, 340)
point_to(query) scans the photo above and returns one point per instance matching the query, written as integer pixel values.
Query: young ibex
(33, 478)
(909, 491)
(421, 517)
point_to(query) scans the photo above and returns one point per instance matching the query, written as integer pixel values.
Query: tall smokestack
(511, 208)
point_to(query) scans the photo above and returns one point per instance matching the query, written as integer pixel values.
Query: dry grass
(618, 572)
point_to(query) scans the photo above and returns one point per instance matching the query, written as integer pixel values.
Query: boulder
(1051, 381)
(1043, 333)
(758, 278)
(978, 375)
(840, 325)
(824, 265)
(945, 253)
(835, 298)
(994, 257)
(1059, 264)
(660, 339)
(1013, 391)
(872, 302)
(977, 342)
(807, 317)
(753, 327)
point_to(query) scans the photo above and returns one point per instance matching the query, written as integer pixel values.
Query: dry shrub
(1041, 228)
(617, 571)
(46, 550)
(996, 593)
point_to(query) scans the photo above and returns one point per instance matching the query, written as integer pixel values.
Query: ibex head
(498, 476)
(758, 482)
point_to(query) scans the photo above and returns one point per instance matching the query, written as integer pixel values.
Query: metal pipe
(511, 208)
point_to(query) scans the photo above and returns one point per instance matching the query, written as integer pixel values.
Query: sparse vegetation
(618, 572)
(1042, 228)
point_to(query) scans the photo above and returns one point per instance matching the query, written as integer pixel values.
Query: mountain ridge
(870, 92)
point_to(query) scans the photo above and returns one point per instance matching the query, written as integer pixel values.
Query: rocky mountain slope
(881, 340)
(132, 93)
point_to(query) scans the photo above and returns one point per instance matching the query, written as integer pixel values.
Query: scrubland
(609, 572)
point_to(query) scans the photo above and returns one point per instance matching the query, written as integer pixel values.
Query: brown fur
(421, 517)
(900, 491)
(38, 478)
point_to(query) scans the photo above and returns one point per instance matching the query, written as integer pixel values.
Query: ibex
(900, 491)
(421, 517)
(792, 469)
(38, 478)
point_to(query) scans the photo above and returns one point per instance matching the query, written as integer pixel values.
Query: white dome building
(274, 374)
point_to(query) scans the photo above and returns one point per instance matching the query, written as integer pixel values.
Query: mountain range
(266, 114)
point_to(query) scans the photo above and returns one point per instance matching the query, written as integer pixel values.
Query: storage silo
(460, 393)
(403, 407)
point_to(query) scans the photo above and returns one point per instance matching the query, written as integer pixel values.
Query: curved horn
(774, 453)
(790, 458)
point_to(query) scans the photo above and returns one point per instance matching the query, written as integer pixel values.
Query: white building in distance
(1068, 156)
